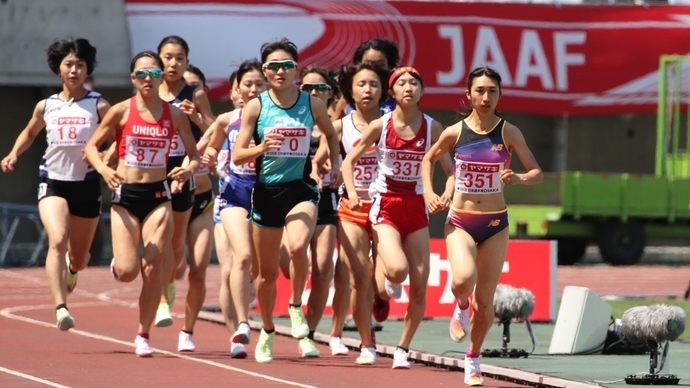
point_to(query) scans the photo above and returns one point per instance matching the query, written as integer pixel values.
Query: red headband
(400, 71)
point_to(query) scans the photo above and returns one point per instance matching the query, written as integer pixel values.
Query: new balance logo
(497, 147)
(494, 222)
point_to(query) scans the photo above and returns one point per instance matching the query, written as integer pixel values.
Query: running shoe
(64, 319)
(185, 343)
(71, 277)
(380, 309)
(170, 293)
(237, 350)
(264, 347)
(307, 348)
(142, 348)
(459, 323)
(367, 356)
(473, 372)
(394, 290)
(163, 316)
(400, 359)
(337, 346)
(300, 329)
(241, 336)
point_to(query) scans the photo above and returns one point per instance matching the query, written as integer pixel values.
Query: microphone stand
(505, 352)
(653, 377)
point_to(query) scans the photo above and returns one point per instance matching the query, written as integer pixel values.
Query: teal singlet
(291, 162)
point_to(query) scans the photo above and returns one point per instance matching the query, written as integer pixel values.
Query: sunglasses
(320, 87)
(143, 73)
(277, 65)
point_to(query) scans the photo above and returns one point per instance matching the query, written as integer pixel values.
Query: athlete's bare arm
(113, 122)
(370, 135)
(320, 113)
(446, 164)
(515, 142)
(439, 150)
(26, 137)
(216, 134)
(203, 106)
(243, 153)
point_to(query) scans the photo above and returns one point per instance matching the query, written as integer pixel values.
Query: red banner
(579, 60)
(529, 264)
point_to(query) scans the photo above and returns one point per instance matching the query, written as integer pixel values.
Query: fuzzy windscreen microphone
(656, 323)
(513, 303)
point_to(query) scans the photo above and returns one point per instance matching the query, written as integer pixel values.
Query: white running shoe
(400, 359)
(367, 356)
(394, 290)
(163, 316)
(142, 348)
(237, 350)
(473, 372)
(241, 336)
(300, 329)
(337, 346)
(459, 323)
(64, 319)
(185, 343)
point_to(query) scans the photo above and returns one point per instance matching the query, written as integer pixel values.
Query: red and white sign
(579, 60)
(529, 264)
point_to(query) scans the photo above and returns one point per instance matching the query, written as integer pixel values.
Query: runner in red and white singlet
(399, 214)
(143, 127)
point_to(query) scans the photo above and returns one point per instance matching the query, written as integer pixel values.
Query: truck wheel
(622, 243)
(571, 250)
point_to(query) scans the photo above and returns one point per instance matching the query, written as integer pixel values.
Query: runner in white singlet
(69, 195)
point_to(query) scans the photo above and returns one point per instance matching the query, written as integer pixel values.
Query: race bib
(478, 178)
(177, 147)
(69, 131)
(146, 152)
(296, 144)
(365, 170)
(404, 165)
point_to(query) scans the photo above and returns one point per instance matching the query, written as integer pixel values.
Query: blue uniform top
(292, 161)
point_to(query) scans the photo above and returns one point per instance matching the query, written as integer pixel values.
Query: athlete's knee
(397, 274)
(361, 282)
(417, 294)
(241, 260)
(463, 281)
(483, 302)
(197, 275)
(79, 262)
(58, 241)
(126, 270)
(269, 274)
(298, 249)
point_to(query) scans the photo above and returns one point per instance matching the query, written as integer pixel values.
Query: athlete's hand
(188, 108)
(353, 201)
(317, 178)
(176, 187)
(210, 158)
(179, 174)
(336, 179)
(111, 178)
(272, 141)
(433, 203)
(509, 178)
(8, 163)
(446, 199)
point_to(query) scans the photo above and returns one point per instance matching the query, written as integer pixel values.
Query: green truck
(618, 212)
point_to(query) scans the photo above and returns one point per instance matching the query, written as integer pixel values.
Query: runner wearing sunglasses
(235, 206)
(143, 127)
(280, 121)
(398, 213)
(193, 101)
(316, 82)
(69, 195)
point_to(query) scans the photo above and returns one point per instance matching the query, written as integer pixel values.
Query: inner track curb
(491, 371)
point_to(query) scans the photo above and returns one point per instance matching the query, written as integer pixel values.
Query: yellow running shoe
(71, 277)
(264, 347)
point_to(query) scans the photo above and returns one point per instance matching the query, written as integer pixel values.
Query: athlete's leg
(199, 240)
(156, 233)
(55, 218)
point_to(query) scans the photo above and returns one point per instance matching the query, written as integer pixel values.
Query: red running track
(99, 352)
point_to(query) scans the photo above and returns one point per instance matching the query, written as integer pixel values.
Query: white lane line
(9, 313)
(32, 378)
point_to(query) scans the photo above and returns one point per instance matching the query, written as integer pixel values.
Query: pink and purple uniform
(478, 160)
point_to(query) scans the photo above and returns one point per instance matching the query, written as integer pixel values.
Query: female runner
(143, 127)
(69, 195)
(174, 52)
(477, 223)
(398, 213)
(280, 121)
